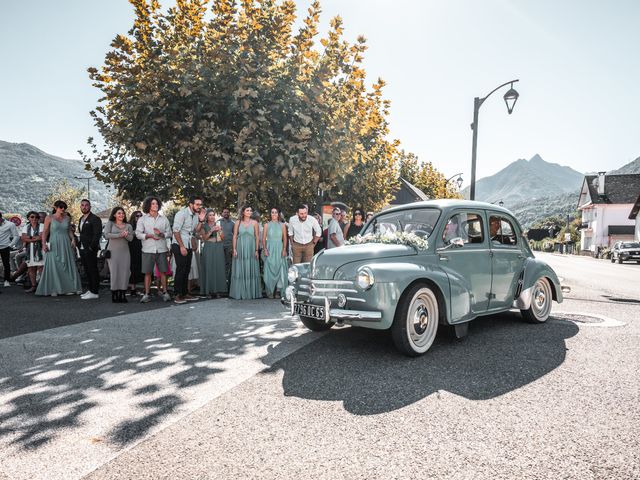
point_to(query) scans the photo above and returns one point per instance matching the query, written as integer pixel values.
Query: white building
(605, 202)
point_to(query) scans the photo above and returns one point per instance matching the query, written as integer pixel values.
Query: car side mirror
(456, 242)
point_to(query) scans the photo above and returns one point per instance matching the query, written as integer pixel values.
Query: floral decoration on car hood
(396, 238)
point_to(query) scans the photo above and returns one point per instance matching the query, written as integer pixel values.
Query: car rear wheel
(316, 325)
(613, 260)
(541, 299)
(416, 321)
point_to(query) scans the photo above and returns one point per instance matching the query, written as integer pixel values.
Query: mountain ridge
(29, 175)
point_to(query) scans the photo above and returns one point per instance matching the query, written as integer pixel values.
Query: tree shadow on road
(362, 369)
(147, 363)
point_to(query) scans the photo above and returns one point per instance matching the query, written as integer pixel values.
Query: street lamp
(88, 179)
(510, 98)
(458, 181)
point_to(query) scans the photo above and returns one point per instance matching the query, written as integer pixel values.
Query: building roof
(635, 209)
(408, 193)
(618, 189)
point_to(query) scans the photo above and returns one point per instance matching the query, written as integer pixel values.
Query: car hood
(325, 263)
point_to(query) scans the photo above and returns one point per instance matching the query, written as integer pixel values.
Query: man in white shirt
(304, 233)
(152, 230)
(334, 233)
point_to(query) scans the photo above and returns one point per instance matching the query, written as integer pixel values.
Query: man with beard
(90, 228)
(184, 224)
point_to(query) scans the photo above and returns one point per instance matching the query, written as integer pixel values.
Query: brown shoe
(190, 298)
(179, 299)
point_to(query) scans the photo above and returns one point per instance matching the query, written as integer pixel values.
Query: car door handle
(444, 258)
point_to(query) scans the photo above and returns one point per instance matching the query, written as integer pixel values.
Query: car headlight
(293, 274)
(364, 278)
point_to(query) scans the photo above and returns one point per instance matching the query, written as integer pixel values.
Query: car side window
(501, 231)
(464, 225)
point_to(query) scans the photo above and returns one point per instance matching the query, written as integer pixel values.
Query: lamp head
(510, 98)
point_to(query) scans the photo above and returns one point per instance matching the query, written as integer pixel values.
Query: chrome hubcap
(541, 304)
(422, 320)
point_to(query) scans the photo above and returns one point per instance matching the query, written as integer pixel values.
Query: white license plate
(306, 310)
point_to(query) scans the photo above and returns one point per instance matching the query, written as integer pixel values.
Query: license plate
(306, 310)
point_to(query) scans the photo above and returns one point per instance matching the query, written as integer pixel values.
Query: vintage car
(422, 265)
(625, 252)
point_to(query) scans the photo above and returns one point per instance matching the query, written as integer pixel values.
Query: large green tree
(225, 99)
(426, 177)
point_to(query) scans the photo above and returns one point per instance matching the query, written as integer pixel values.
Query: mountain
(28, 175)
(532, 189)
(631, 167)
(527, 180)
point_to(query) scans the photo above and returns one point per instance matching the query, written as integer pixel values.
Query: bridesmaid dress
(60, 274)
(275, 265)
(245, 269)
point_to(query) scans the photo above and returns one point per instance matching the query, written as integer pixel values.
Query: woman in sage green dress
(213, 280)
(245, 269)
(60, 274)
(274, 254)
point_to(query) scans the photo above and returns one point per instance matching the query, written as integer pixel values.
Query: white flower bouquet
(397, 238)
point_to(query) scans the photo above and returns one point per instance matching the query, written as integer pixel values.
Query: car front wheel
(619, 259)
(541, 299)
(416, 321)
(315, 325)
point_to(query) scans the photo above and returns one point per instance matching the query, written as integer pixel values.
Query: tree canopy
(224, 99)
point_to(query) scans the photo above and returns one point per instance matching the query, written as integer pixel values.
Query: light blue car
(422, 265)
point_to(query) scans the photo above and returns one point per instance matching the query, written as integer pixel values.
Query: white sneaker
(85, 294)
(90, 296)
(7, 283)
(145, 298)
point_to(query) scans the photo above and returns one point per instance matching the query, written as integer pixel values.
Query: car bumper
(339, 315)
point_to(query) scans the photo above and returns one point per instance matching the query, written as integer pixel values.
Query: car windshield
(415, 220)
(630, 245)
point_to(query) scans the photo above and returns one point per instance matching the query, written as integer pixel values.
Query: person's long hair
(59, 204)
(242, 210)
(112, 217)
(133, 219)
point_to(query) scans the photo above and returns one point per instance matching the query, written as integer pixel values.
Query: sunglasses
(357, 213)
(62, 208)
(33, 216)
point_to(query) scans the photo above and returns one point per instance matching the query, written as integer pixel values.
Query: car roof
(449, 203)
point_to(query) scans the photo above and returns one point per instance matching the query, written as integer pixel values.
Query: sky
(577, 62)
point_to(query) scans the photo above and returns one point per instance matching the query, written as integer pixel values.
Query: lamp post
(510, 99)
(88, 179)
(458, 181)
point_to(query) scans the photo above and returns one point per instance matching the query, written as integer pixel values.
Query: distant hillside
(631, 167)
(28, 174)
(525, 180)
(528, 213)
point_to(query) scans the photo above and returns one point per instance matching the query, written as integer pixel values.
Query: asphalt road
(227, 389)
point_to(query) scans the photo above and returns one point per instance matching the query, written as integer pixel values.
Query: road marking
(604, 322)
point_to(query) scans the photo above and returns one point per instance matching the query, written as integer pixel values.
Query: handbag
(104, 253)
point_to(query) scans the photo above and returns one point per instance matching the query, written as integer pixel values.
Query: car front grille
(315, 289)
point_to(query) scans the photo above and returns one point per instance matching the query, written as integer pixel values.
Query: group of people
(237, 259)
